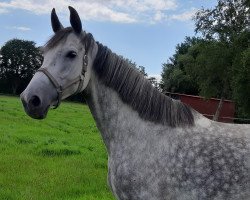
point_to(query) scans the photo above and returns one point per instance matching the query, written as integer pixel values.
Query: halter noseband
(59, 88)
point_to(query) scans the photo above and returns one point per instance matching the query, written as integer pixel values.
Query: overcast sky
(145, 31)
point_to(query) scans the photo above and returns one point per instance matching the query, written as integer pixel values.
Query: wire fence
(235, 120)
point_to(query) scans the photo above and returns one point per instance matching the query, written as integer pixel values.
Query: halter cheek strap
(59, 88)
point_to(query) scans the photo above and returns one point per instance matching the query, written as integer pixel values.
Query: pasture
(61, 157)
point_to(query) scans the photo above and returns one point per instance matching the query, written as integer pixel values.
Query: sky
(144, 31)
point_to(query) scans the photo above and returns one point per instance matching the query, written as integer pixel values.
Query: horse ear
(75, 20)
(56, 24)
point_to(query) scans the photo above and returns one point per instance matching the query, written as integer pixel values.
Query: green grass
(61, 157)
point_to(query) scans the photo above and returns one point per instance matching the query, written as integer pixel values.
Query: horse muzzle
(34, 106)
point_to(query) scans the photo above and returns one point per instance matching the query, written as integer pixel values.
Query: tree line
(217, 63)
(19, 59)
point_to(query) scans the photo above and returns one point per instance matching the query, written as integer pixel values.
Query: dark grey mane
(138, 92)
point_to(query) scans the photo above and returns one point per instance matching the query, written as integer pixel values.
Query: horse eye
(71, 54)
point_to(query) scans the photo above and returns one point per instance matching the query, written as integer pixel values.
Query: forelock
(86, 39)
(58, 37)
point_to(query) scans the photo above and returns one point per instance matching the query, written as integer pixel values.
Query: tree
(174, 76)
(154, 82)
(141, 69)
(226, 21)
(211, 68)
(241, 82)
(19, 61)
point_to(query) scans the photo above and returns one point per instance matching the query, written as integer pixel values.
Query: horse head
(66, 69)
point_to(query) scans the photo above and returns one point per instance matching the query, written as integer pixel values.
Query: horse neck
(114, 118)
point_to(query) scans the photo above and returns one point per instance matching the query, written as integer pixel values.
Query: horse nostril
(35, 101)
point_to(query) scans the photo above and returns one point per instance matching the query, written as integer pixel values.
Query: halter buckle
(85, 60)
(85, 63)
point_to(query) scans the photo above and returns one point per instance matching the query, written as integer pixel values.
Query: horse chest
(133, 173)
(133, 180)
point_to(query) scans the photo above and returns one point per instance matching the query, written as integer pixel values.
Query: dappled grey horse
(158, 148)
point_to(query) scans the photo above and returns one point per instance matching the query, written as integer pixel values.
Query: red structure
(207, 107)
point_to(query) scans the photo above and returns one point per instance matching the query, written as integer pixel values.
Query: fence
(209, 107)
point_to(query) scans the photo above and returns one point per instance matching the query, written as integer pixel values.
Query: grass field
(61, 157)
